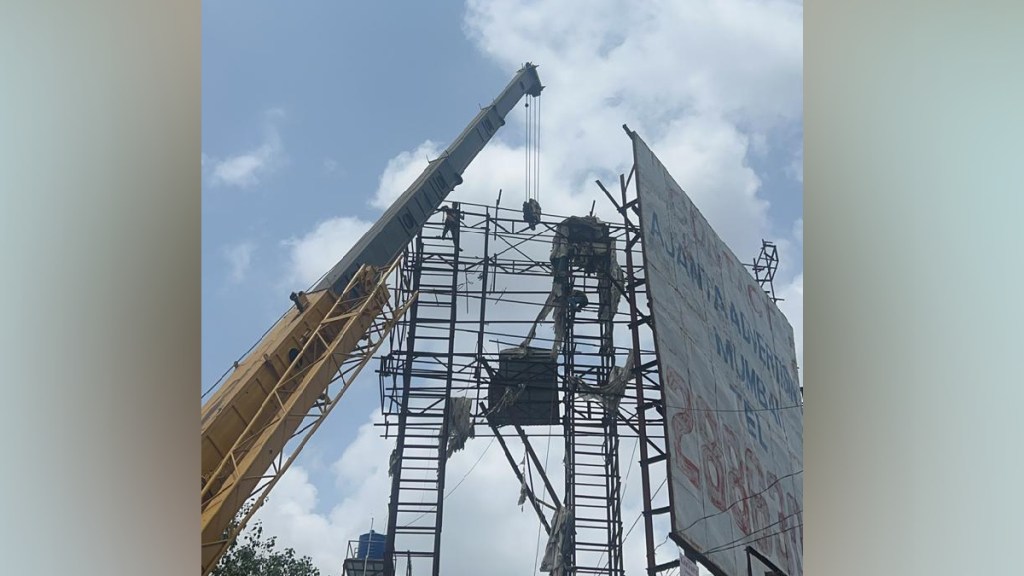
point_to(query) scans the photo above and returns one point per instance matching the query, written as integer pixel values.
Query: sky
(317, 115)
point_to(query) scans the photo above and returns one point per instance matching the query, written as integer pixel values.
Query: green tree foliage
(252, 555)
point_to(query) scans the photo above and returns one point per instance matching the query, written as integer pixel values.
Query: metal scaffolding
(481, 290)
(648, 418)
(764, 267)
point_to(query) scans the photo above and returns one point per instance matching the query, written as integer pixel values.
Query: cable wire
(754, 495)
(536, 552)
(641, 515)
(625, 484)
(743, 541)
(526, 149)
(242, 357)
(536, 189)
(456, 487)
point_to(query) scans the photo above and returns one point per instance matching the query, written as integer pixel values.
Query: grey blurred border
(912, 181)
(100, 218)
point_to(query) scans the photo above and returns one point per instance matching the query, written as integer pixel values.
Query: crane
(281, 391)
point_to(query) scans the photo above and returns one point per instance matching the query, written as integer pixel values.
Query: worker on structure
(452, 217)
(531, 213)
(451, 221)
(578, 301)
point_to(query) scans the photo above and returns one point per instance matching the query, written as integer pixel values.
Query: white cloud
(246, 169)
(314, 254)
(402, 171)
(703, 83)
(291, 514)
(239, 257)
(735, 58)
(330, 165)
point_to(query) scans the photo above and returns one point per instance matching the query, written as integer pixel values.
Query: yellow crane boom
(282, 392)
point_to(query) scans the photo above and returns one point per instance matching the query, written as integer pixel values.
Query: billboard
(734, 414)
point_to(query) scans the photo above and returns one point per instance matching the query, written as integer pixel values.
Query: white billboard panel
(728, 366)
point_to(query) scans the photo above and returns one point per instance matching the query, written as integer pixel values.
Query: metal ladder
(418, 464)
(592, 483)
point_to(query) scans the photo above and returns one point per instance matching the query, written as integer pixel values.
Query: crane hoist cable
(531, 206)
(536, 187)
(526, 157)
(531, 147)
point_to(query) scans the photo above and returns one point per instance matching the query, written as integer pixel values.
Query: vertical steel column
(443, 443)
(389, 537)
(483, 303)
(591, 434)
(609, 425)
(634, 318)
(568, 422)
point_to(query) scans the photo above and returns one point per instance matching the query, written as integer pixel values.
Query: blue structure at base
(371, 546)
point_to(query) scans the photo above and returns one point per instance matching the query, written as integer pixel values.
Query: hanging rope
(536, 148)
(531, 205)
(529, 143)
